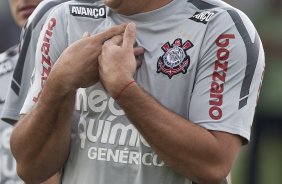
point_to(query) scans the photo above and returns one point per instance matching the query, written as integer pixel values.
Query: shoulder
(219, 14)
(219, 19)
(42, 11)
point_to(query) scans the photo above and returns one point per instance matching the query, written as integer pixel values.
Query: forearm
(40, 141)
(189, 149)
(55, 179)
(45, 132)
(198, 154)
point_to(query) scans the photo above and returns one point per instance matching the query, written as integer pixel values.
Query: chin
(113, 4)
(21, 23)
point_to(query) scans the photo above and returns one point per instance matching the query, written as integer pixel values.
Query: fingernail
(132, 26)
(85, 34)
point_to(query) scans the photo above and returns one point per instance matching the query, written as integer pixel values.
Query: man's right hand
(78, 65)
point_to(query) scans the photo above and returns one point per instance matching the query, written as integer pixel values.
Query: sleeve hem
(228, 129)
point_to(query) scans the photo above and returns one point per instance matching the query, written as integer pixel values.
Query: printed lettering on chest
(175, 59)
(95, 12)
(106, 136)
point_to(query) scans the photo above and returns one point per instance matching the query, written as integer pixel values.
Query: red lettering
(46, 72)
(215, 113)
(35, 99)
(48, 34)
(222, 54)
(45, 48)
(225, 38)
(220, 65)
(217, 97)
(46, 39)
(52, 24)
(216, 88)
(45, 59)
(219, 75)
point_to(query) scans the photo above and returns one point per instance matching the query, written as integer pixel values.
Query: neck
(155, 5)
(142, 7)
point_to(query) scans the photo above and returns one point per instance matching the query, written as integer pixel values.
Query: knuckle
(105, 47)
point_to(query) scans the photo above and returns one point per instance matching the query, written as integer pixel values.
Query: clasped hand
(117, 62)
(109, 56)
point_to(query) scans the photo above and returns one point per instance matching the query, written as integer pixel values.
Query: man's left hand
(118, 63)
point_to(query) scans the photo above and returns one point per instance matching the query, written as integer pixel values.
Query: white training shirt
(203, 60)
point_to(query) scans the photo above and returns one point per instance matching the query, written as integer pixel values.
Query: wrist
(124, 87)
(60, 84)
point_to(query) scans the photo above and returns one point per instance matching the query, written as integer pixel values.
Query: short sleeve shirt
(203, 60)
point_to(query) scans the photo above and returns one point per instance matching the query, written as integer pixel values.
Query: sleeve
(25, 64)
(229, 75)
(51, 43)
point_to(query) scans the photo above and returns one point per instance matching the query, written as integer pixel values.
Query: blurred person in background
(9, 30)
(21, 10)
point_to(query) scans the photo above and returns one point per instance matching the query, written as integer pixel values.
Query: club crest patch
(175, 59)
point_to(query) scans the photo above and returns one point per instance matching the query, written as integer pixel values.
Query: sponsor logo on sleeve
(203, 17)
(219, 76)
(175, 59)
(95, 12)
(45, 57)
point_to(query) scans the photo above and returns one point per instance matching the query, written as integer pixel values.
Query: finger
(116, 40)
(86, 34)
(99, 58)
(113, 31)
(138, 51)
(129, 36)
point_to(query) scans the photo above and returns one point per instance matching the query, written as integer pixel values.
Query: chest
(169, 64)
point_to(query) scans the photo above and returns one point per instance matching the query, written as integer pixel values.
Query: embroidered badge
(174, 60)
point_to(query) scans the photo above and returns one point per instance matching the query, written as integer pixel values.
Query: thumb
(129, 36)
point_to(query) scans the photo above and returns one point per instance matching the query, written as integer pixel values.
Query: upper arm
(229, 144)
(51, 43)
(21, 80)
(229, 76)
